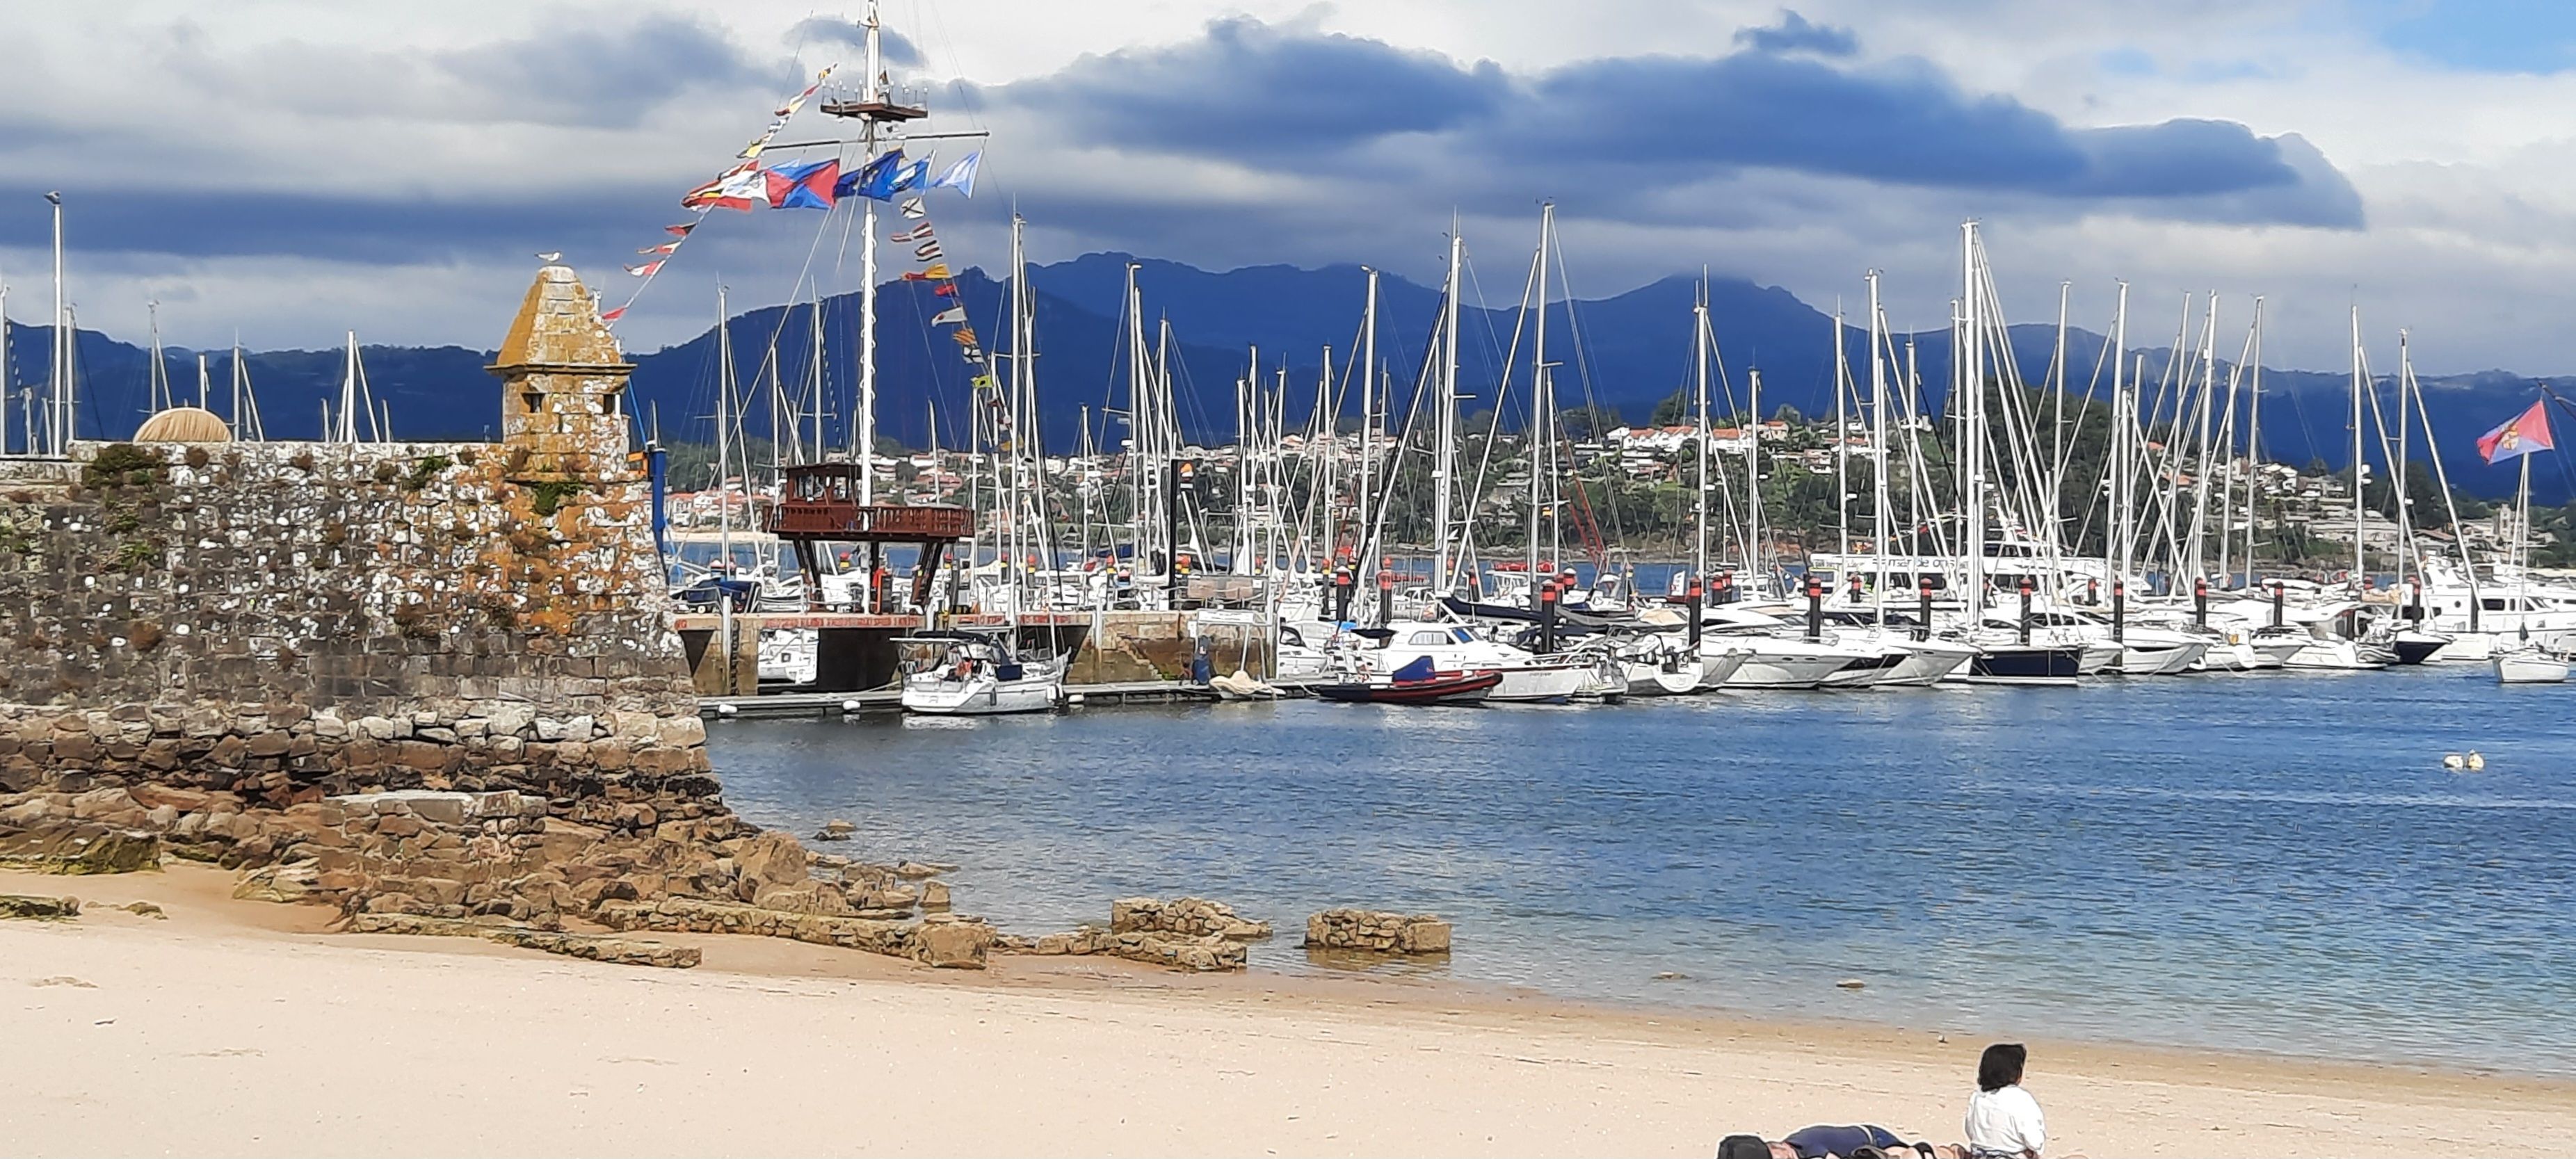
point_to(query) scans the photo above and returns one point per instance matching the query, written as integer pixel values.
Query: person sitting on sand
(1865, 1141)
(2003, 1120)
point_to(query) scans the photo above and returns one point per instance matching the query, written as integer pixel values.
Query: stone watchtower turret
(563, 387)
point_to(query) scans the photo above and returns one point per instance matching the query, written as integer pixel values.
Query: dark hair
(1743, 1147)
(2001, 1066)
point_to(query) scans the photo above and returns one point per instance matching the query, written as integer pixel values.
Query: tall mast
(58, 417)
(1167, 444)
(1006, 450)
(2057, 421)
(863, 428)
(1878, 448)
(814, 324)
(1445, 421)
(724, 431)
(1540, 409)
(348, 432)
(245, 416)
(203, 382)
(1699, 392)
(1971, 397)
(2397, 468)
(1244, 388)
(2124, 420)
(1144, 480)
(1842, 422)
(2254, 445)
(4, 374)
(2208, 403)
(1753, 480)
(1368, 424)
(2360, 575)
(159, 377)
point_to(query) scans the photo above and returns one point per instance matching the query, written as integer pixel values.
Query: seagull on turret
(550, 258)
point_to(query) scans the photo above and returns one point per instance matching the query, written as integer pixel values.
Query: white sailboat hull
(2529, 666)
(1539, 683)
(2159, 658)
(2339, 655)
(1769, 667)
(1672, 678)
(981, 695)
(1929, 663)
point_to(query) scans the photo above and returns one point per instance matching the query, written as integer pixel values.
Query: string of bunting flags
(923, 237)
(821, 185)
(749, 159)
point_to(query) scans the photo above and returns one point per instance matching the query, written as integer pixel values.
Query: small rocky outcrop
(622, 951)
(19, 905)
(1189, 933)
(1377, 932)
(1188, 917)
(80, 847)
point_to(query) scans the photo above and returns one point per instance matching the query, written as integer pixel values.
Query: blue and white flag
(960, 176)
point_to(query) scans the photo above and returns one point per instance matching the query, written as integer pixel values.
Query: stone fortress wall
(293, 620)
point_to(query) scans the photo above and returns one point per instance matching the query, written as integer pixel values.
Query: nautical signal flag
(2528, 432)
(807, 186)
(952, 316)
(742, 189)
(680, 230)
(960, 176)
(646, 270)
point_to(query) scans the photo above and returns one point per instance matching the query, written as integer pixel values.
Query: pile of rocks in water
(1377, 932)
(503, 860)
(1188, 933)
(557, 873)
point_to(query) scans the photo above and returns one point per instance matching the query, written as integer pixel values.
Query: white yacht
(973, 675)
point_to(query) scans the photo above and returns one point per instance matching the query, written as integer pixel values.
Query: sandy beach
(239, 1028)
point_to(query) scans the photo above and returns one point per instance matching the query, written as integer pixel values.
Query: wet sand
(242, 1028)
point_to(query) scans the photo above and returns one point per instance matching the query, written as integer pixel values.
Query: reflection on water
(2274, 862)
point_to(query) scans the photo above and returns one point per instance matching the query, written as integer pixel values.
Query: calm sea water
(2274, 862)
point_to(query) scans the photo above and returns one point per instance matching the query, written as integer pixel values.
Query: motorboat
(1526, 678)
(1776, 657)
(1419, 682)
(976, 675)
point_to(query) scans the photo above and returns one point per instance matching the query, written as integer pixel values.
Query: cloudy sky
(285, 171)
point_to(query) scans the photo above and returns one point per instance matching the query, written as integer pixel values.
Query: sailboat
(2010, 655)
(2525, 661)
(977, 674)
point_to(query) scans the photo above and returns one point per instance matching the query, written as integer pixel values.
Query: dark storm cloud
(1301, 101)
(1247, 87)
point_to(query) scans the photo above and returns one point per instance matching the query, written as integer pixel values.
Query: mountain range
(1625, 353)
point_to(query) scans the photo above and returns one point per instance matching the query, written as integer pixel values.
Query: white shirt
(2005, 1122)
